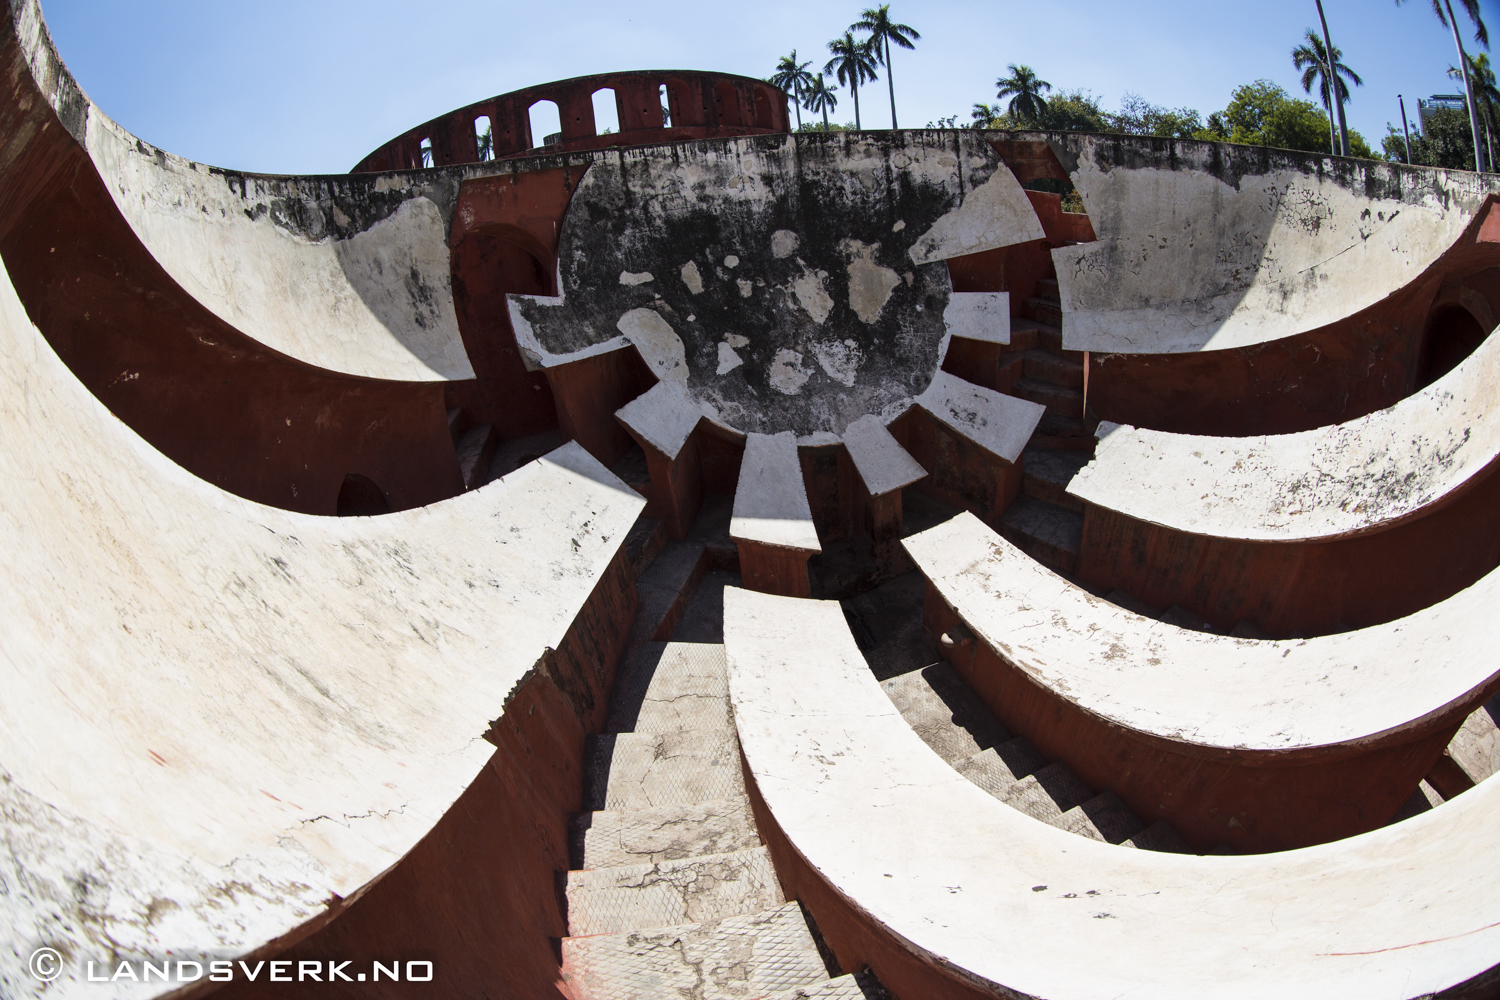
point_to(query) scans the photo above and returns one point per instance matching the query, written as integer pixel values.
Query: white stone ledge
(998, 423)
(882, 464)
(1349, 478)
(1196, 689)
(1022, 908)
(770, 501)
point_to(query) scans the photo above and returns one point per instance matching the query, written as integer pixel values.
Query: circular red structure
(698, 105)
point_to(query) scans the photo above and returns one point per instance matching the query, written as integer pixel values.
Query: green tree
(1487, 96)
(985, 115)
(1445, 140)
(1482, 36)
(793, 79)
(883, 33)
(853, 63)
(820, 98)
(1024, 88)
(1138, 116)
(1072, 111)
(1312, 58)
(1262, 114)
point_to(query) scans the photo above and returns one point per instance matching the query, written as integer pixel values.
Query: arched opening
(360, 497)
(424, 152)
(484, 138)
(546, 123)
(1452, 335)
(666, 105)
(765, 117)
(606, 112)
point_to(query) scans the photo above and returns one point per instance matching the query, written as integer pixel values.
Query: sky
(312, 86)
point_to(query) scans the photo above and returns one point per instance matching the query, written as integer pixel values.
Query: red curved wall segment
(701, 106)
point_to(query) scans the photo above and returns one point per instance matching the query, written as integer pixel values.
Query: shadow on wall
(1453, 333)
(360, 497)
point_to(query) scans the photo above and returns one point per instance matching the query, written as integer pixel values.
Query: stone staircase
(1044, 521)
(951, 719)
(671, 893)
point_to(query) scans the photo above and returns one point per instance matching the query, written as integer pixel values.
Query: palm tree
(792, 78)
(820, 98)
(852, 64)
(883, 32)
(1482, 36)
(1312, 58)
(1024, 88)
(984, 114)
(1486, 94)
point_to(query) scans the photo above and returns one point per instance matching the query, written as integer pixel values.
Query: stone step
(689, 890)
(1008, 370)
(643, 770)
(664, 590)
(1103, 817)
(860, 986)
(1027, 332)
(610, 838)
(476, 447)
(1476, 745)
(1046, 288)
(1159, 836)
(1065, 433)
(1245, 629)
(644, 543)
(1048, 794)
(458, 422)
(945, 711)
(997, 769)
(632, 470)
(1048, 533)
(1059, 399)
(1043, 311)
(1424, 798)
(1058, 369)
(665, 686)
(1132, 603)
(1046, 473)
(1183, 618)
(756, 955)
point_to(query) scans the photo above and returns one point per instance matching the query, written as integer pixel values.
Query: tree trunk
(1333, 83)
(854, 89)
(825, 117)
(890, 81)
(1463, 62)
(1333, 141)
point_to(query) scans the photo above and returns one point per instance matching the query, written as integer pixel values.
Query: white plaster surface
(1342, 479)
(997, 213)
(658, 343)
(770, 502)
(883, 465)
(982, 316)
(1186, 261)
(1023, 908)
(998, 423)
(215, 714)
(378, 303)
(1349, 689)
(664, 415)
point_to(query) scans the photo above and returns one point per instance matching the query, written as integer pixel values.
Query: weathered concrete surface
(1264, 744)
(960, 896)
(789, 283)
(1206, 246)
(347, 274)
(1339, 480)
(175, 656)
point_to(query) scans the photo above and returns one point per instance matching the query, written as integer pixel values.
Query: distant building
(1439, 102)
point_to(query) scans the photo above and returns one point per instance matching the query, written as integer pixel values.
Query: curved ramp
(349, 274)
(1215, 728)
(961, 895)
(1206, 246)
(175, 656)
(1344, 479)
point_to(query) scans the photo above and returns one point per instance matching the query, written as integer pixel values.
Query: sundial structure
(705, 560)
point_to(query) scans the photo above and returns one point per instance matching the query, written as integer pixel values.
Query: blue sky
(311, 86)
